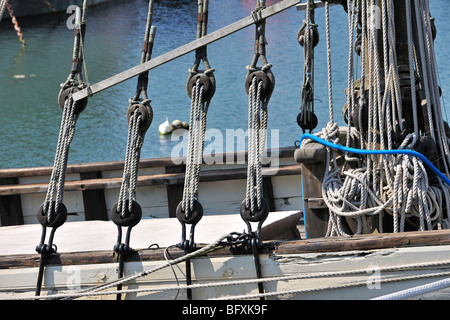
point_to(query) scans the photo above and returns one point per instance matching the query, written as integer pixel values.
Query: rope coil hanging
(201, 86)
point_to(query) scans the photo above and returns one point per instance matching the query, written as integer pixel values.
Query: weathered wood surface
(101, 166)
(322, 245)
(146, 180)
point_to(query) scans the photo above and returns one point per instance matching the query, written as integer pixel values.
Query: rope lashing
(308, 38)
(201, 86)
(14, 21)
(53, 213)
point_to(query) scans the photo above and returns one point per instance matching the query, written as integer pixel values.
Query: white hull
(20, 283)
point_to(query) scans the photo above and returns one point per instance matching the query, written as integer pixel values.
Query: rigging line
(377, 152)
(184, 49)
(314, 275)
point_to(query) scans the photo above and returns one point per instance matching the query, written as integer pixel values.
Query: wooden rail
(334, 244)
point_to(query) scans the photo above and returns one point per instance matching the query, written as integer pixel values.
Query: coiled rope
(396, 183)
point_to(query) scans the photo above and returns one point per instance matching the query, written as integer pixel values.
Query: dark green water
(30, 78)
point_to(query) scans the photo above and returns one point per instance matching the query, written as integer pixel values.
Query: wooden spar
(180, 51)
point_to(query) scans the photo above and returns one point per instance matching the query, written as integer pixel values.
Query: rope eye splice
(75, 81)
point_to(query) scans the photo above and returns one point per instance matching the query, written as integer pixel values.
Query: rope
(200, 101)
(257, 114)
(394, 183)
(55, 190)
(14, 21)
(415, 291)
(218, 244)
(2, 8)
(94, 291)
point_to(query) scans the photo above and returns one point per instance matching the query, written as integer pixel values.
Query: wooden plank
(147, 180)
(102, 166)
(322, 245)
(366, 242)
(185, 49)
(11, 212)
(94, 200)
(174, 192)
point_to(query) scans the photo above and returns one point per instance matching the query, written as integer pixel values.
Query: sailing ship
(374, 193)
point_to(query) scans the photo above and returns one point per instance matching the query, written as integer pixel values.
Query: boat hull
(364, 267)
(29, 8)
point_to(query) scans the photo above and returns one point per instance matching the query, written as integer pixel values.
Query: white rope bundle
(197, 127)
(135, 141)
(398, 185)
(257, 128)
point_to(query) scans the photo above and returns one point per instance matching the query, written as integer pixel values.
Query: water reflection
(30, 117)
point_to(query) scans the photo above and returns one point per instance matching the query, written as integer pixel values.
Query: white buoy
(165, 127)
(176, 124)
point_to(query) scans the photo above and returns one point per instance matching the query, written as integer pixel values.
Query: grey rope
(55, 190)
(197, 127)
(136, 126)
(2, 8)
(198, 113)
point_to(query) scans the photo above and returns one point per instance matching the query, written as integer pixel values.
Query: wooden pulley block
(209, 87)
(129, 218)
(57, 219)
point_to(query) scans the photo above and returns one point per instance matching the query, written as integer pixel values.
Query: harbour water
(30, 77)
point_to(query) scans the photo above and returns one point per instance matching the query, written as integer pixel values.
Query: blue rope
(362, 151)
